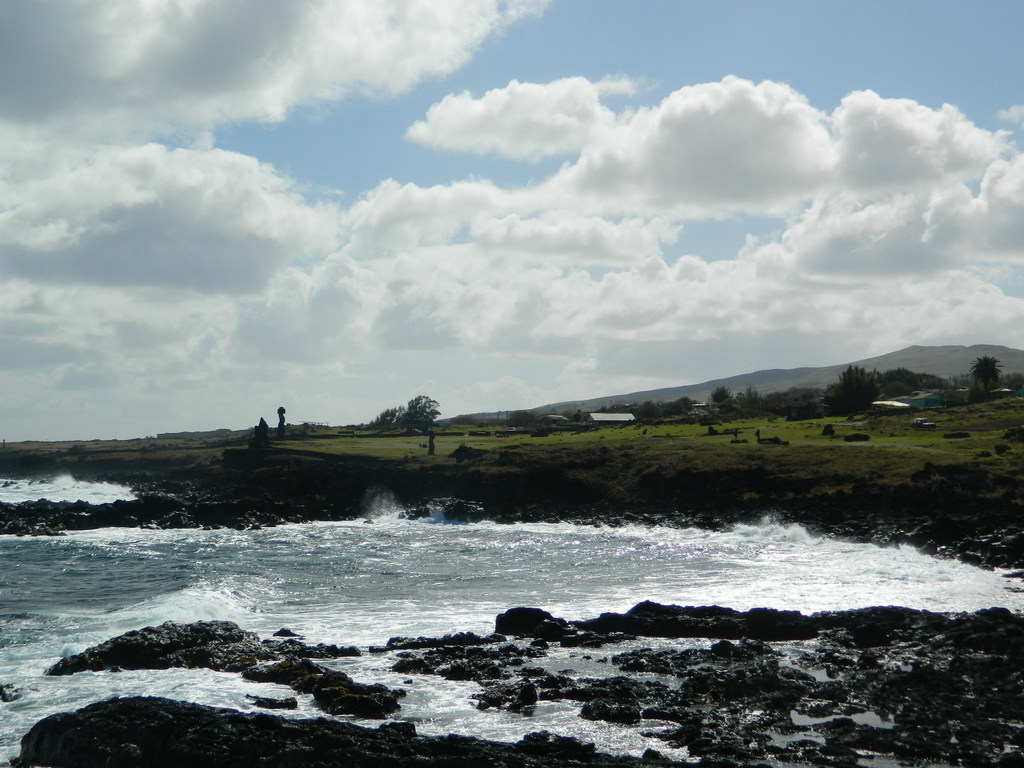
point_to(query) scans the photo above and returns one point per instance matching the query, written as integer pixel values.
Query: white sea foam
(360, 583)
(61, 488)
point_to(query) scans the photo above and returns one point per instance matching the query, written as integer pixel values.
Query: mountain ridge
(942, 360)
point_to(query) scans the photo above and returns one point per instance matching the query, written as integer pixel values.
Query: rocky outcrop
(655, 620)
(457, 639)
(969, 510)
(158, 733)
(523, 621)
(335, 692)
(8, 693)
(467, 663)
(904, 684)
(217, 645)
(224, 647)
(907, 684)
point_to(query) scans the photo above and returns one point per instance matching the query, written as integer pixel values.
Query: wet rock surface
(827, 689)
(218, 645)
(224, 647)
(831, 689)
(654, 620)
(335, 692)
(168, 734)
(959, 510)
(913, 686)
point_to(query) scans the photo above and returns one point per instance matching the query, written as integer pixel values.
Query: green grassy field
(621, 461)
(888, 431)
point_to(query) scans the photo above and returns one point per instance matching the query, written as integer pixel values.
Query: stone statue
(261, 434)
(280, 422)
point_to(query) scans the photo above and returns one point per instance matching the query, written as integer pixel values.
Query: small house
(805, 408)
(924, 400)
(610, 419)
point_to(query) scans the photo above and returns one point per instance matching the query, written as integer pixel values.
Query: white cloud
(174, 279)
(557, 267)
(1014, 114)
(508, 391)
(100, 68)
(844, 235)
(396, 217)
(998, 223)
(146, 215)
(135, 339)
(898, 143)
(570, 239)
(705, 151)
(522, 120)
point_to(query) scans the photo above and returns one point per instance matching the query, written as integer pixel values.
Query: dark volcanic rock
(223, 646)
(9, 693)
(158, 733)
(265, 702)
(218, 645)
(905, 684)
(522, 621)
(467, 663)
(457, 510)
(965, 510)
(335, 692)
(655, 620)
(459, 638)
(297, 649)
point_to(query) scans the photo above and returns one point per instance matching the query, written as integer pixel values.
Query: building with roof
(610, 419)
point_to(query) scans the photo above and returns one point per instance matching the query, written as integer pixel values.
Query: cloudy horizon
(208, 210)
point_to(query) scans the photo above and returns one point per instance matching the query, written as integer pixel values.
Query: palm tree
(985, 370)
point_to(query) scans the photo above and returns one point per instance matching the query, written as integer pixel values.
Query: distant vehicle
(510, 429)
(922, 424)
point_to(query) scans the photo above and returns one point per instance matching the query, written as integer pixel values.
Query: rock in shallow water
(217, 645)
(159, 733)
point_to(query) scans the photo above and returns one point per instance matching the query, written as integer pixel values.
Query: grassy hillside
(944, 361)
(892, 451)
(888, 432)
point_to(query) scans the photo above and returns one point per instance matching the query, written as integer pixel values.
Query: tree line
(854, 391)
(418, 414)
(858, 388)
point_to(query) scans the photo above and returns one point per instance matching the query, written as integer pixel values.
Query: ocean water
(362, 582)
(61, 488)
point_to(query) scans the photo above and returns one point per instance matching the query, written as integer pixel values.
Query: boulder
(9, 693)
(159, 733)
(217, 645)
(656, 620)
(335, 692)
(521, 621)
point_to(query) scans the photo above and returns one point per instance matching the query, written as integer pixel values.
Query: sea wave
(61, 488)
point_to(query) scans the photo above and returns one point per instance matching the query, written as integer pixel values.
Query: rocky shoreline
(732, 688)
(949, 510)
(762, 686)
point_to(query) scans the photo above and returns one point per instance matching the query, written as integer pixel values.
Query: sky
(212, 209)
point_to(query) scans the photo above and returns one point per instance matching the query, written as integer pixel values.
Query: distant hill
(200, 435)
(942, 361)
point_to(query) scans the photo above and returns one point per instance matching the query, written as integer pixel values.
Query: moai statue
(280, 422)
(261, 434)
